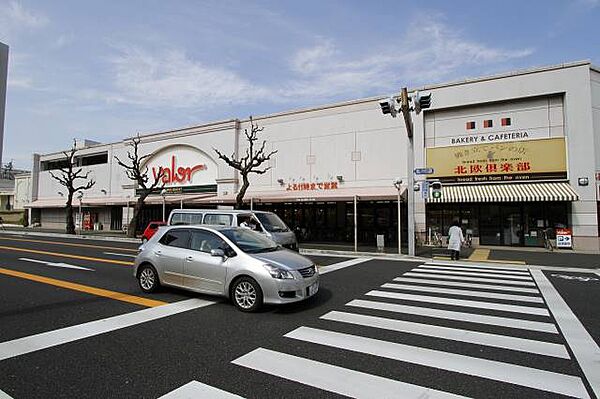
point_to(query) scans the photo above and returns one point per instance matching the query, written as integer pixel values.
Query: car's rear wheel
(247, 294)
(148, 278)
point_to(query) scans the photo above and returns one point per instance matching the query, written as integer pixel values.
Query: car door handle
(157, 253)
(189, 258)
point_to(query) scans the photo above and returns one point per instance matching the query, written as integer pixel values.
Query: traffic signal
(436, 189)
(388, 106)
(421, 101)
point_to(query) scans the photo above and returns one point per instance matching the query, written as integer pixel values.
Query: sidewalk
(516, 255)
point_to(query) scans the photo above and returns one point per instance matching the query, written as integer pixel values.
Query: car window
(176, 238)
(177, 219)
(153, 226)
(272, 222)
(196, 218)
(218, 219)
(250, 241)
(205, 241)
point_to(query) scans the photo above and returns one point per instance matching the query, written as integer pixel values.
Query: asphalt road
(378, 328)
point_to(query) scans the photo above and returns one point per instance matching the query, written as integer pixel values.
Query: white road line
(57, 264)
(335, 379)
(476, 279)
(470, 264)
(466, 285)
(478, 294)
(490, 369)
(459, 316)
(475, 274)
(341, 265)
(474, 269)
(461, 302)
(117, 254)
(455, 334)
(4, 395)
(21, 346)
(198, 390)
(584, 347)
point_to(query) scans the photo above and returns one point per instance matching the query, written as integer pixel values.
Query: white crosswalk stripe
(466, 285)
(471, 264)
(474, 269)
(476, 279)
(427, 286)
(474, 274)
(471, 293)
(473, 337)
(461, 302)
(459, 316)
(499, 371)
(333, 378)
(198, 390)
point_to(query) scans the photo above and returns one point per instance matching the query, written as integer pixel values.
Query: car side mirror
(217, 252)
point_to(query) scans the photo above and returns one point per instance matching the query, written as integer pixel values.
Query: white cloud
(14, 17)
(436, 52)
(173, 79)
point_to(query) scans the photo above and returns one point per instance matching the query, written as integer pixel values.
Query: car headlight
(278, 273)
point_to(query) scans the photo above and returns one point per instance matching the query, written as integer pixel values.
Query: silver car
(235, 262)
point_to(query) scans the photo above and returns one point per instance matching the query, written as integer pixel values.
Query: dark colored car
(151, 229)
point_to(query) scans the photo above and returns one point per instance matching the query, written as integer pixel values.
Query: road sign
(425, 190)
(423, 171)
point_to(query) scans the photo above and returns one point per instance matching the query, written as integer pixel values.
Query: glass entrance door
(512, 225)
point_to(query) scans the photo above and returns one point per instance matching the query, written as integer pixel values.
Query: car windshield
(271, 222)
(250, 241)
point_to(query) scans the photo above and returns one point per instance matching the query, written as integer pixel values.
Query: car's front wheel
(148, 278)
(247, 294)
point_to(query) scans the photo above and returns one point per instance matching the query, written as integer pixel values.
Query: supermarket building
(517, 153)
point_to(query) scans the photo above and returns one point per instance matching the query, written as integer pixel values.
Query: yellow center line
(119, 296)
(63, 255)
(69, 244)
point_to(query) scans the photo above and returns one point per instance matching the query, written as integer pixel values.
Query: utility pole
(388, 106)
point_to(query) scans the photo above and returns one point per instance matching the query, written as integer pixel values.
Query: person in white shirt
(455, 240)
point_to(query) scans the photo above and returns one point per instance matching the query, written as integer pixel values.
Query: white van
(266, 223)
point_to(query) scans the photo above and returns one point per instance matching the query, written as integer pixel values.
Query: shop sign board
(314, 186)
(498, 162)
(564, 238)
(182, 166)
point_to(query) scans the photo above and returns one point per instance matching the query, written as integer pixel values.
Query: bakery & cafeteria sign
(496, 162)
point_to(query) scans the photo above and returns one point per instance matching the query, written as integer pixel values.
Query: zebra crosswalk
(487, 324)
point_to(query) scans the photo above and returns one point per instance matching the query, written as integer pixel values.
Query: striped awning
(513, 192)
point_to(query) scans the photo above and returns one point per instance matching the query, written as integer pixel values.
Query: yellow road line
(480, 255)
(69, 244)
(84, 288)
(63, 255)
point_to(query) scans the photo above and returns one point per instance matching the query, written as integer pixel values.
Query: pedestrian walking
(455, 240)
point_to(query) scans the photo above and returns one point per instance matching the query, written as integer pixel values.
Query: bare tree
(68, 177)
(138, 172)
(250, 162)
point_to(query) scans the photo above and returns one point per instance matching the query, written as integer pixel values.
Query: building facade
(517, 153)
(3, 78)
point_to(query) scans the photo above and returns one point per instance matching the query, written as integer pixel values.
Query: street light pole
(411, 198)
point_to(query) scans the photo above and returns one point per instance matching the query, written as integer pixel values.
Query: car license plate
(312, 289)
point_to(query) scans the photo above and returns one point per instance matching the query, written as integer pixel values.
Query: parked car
(234, 262)
(266, 223)
(151, 229)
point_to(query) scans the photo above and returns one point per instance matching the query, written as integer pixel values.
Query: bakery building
(516, 153)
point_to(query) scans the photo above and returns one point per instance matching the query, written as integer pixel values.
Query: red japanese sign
(317, 186)
(175, 174)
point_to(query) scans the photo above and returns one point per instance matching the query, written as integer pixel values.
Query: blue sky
(105, 70)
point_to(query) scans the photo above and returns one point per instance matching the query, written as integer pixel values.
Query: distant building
(3, 76)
